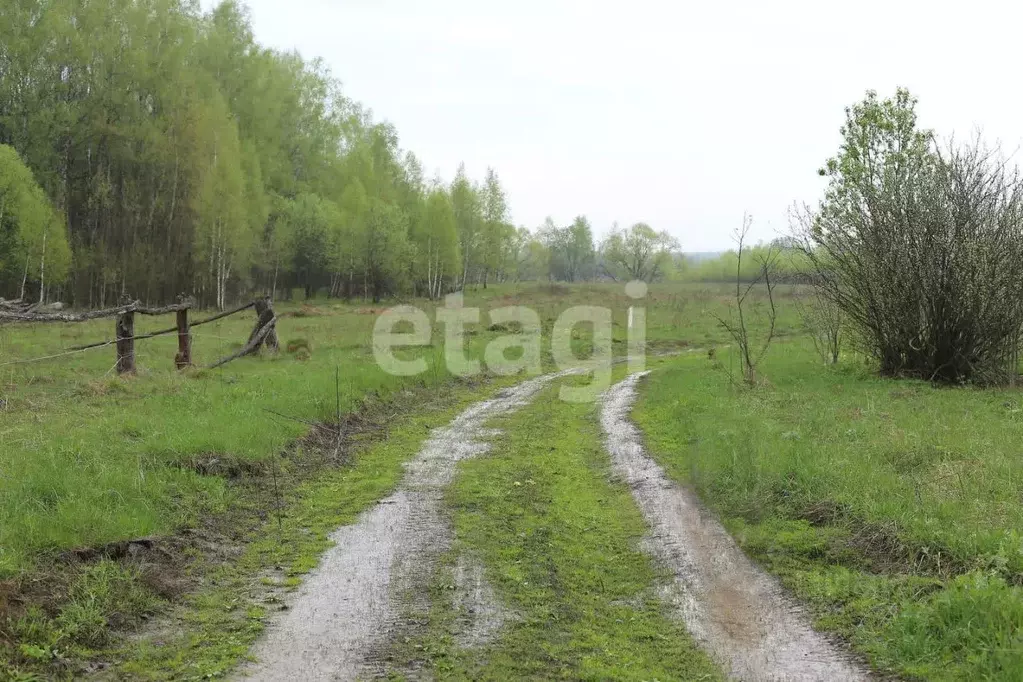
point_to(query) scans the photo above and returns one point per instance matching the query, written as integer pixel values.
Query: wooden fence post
(124, 333)
(184, 357)
(265, 313)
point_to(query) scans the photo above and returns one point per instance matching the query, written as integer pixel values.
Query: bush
(921, 248)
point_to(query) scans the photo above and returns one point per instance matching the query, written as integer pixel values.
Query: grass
(559, 543)
(892, 507)
(89, 460)
(205, 632)
(214, 628)
(190, 461)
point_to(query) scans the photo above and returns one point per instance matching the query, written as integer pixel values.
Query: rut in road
(349, 607)
(739, 613)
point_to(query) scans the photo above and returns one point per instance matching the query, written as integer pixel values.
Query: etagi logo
(527, 342)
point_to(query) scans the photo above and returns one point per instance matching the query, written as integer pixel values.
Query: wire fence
(124, 339)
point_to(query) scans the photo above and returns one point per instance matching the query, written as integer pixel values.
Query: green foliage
(386, 250)
(790, 265)
(33, 240)
(568, 251)
(435, 238)
(921, 247)
(187, 158)
(101, 598)
(639, 253)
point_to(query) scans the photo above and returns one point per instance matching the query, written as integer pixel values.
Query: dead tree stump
(264, 314)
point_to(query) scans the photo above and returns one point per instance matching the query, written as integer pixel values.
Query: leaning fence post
(124, 333)
(184, 357)
(265, 313)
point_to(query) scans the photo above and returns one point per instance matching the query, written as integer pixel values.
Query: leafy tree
(639, 253)
(314, 219)
(387, 247)
(278, 242)
(349, 238)
(552, 240)
(33, 240)
(578, 247)
(222, 236)
(436, 243)
(467, 205)
(534, 258)
(496, 233)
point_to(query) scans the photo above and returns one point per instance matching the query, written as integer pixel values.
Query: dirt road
(348, 608)
(340, 622)
(735, 610)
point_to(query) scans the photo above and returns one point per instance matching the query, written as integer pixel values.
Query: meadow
(91, 460)
(90, 457)
(891, 507)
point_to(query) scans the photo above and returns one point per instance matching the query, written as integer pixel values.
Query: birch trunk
(24, 279)
(42, 272)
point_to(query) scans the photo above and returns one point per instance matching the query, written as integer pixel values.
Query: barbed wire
(104, 344)
(137, 337)
(58, 355)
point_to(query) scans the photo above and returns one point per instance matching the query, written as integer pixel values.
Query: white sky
(682, 115)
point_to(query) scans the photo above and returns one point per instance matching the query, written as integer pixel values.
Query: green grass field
(90, 458)
(891, 507)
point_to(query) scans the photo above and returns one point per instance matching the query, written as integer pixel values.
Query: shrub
(921, 247)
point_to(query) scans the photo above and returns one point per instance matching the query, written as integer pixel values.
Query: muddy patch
(345, 613)
(735, 610)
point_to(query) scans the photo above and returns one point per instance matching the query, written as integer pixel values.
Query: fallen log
(15, 306)
(132, 307)
(69, 317)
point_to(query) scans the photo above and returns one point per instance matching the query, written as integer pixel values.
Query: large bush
(921, 247)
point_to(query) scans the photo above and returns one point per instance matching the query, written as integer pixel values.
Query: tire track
(347, 609)
(738, 612)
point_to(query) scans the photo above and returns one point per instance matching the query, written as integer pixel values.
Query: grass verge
(891, 507)
(238, 565)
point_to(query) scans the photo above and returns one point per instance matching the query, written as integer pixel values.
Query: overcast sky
(682, 115)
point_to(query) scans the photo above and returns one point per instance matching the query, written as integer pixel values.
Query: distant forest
(150, 150)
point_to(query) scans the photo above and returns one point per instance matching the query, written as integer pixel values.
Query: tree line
(150, 149)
